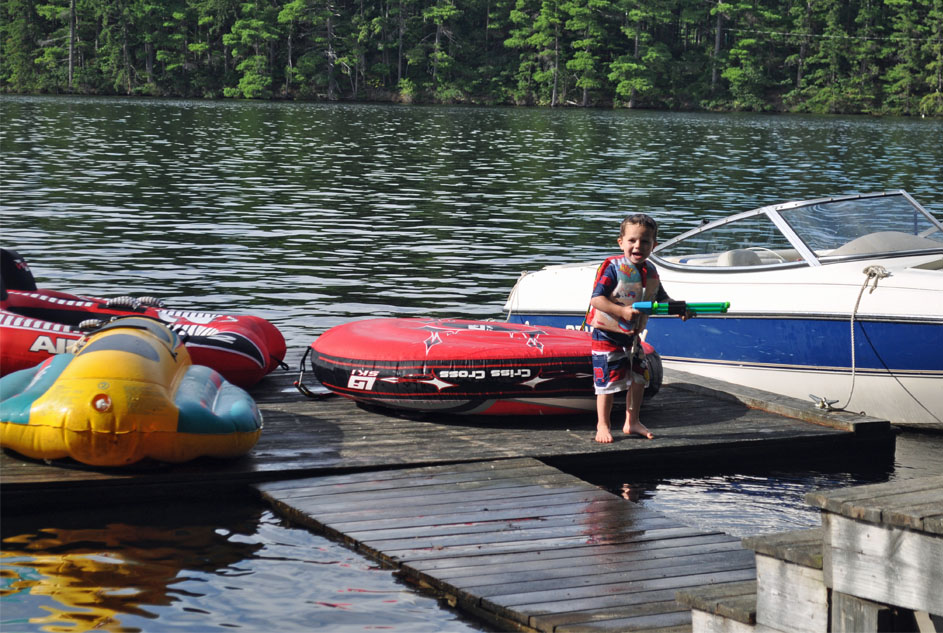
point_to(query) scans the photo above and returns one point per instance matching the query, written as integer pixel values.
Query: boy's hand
(688, 314)
(627, 320)
(629, 313)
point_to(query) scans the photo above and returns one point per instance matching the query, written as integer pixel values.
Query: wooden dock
(696, 421)
(883, 544)
(876, 564)
(520, 544)
(481, 510)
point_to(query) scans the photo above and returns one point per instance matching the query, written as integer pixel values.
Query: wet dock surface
(693, 422)
(520, 544)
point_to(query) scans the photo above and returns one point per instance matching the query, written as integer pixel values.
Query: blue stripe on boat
(788, 342)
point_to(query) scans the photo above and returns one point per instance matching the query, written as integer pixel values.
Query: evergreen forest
(820, 56)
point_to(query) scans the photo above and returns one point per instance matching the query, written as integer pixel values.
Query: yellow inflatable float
(129, 393)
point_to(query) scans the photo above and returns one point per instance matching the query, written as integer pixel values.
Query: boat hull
(838, 297)
(809, 357)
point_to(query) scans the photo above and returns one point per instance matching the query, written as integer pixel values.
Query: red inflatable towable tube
(26, 342)
(458, 366)
(242, 348)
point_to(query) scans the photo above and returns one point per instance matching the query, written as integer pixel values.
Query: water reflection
(91, 576)
(745, 501)
(210, 567)
(741, 504)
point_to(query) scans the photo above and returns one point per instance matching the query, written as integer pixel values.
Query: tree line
(823, 56)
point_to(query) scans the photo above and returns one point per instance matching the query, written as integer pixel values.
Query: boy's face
(637, 242)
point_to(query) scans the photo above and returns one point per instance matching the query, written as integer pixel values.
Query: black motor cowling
(14, 272)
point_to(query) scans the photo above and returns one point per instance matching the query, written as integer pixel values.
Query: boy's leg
(633, 403)
(610, 376)
(603, 409)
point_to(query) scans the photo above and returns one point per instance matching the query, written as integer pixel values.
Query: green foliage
(630, 77)
(877, 56)
(746, 79)
(932, 104)
(407, 89)
(248, 40)
(18, 30)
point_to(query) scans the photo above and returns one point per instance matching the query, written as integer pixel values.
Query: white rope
(875, 273)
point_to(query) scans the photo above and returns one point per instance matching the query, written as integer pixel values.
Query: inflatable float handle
(680, 307)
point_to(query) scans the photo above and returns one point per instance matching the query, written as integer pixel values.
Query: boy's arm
(615, 310)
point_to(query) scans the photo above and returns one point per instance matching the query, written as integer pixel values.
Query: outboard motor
(14, 272)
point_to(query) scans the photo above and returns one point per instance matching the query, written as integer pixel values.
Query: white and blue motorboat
(838, 299)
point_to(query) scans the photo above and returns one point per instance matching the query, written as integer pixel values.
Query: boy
(618, 361)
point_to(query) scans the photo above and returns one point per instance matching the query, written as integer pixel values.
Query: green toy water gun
(680, 307)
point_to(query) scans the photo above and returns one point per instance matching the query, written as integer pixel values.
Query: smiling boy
(618, 360)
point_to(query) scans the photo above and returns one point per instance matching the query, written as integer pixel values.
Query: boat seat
(739, 257)
(885, 242)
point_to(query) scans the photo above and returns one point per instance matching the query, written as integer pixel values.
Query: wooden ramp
(520, 544)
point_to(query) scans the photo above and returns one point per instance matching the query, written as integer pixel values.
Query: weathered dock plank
(628, 555)
(303, 437)
(522, 545)
(914, 503)
(655, 548)
(883, 543)
(875, 564)
(493, 578)
(801, 547)
(734, 602)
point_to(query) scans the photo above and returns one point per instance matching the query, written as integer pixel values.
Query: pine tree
(751, 69)
(906, 75)
(587, 20)
(20, 33)
(638, 71)
(249, 39)
(932, 104)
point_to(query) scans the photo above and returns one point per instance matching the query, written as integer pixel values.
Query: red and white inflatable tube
(458, 366)
(243, 348)
(26, 342)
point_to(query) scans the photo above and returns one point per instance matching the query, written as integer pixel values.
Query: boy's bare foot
(603, 434)
(639, 429)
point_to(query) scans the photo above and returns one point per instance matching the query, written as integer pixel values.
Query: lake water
(314, 214)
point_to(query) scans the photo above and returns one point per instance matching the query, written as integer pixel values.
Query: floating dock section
(520, 544)
(696, 421)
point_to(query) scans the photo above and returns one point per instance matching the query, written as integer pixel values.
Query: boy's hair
(640, 219)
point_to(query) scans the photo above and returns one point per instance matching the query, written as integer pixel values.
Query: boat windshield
(879, 225)
(752, 240)
(803, 233)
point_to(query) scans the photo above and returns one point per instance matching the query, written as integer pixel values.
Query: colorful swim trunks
(611, 368)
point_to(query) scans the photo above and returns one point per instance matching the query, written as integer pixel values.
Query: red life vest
(596, 318)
